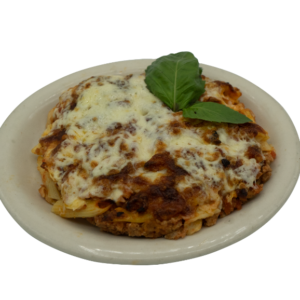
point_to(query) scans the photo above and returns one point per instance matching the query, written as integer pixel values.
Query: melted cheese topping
(117, 121)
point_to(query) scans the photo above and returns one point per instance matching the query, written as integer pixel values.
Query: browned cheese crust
(159, 208)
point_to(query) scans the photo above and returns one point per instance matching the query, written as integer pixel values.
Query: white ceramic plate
(20, 180)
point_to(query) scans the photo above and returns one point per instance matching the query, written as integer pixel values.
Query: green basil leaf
(175, 79)
(214, 112)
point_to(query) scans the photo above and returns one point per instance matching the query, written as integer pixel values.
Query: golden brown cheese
(110, 139)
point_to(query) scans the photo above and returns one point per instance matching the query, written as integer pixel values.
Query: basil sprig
(176, 80)
(214, 112)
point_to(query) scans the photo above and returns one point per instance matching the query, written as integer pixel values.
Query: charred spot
(87, 85)
(194, 192)
(200, 165)
(251, 129)
(170, 194)
(211, 137)
(166, 181)
(163, 161)
(154, 191)
(127, 169)
(178, 171)
(111, 142)
(175, 124)
(73, 105)
(122, 175)
(113, 172)
(164, 202)
(120, 213)
(43, 165)
(242, 194)
(105, 203)
(215, 138)
(225, 162)
(74, 96)
(158, 162)
(139, 164)
(130, 128)
(139, 181)
(57, 135)
(129, 155)
(254, 152)
(109, 216)
(176, 130)
(138, 202)
(237, 164)
(188, 123)
(56, 149)
(114, 128)
(113, 177)
(195, 123)
(172, 205)
(67, 170)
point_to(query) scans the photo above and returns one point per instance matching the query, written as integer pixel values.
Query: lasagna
(114, 154)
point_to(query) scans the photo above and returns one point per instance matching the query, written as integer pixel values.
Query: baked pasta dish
(116, 155)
